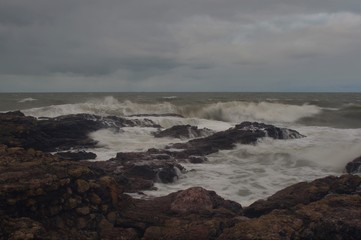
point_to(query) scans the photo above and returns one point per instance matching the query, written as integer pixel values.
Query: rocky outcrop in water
(79, 155)
(354, 166)
(183, 132)
(244, 133)
(60, 133)
(142, 169)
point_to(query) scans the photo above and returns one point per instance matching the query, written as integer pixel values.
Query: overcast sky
(180, 45)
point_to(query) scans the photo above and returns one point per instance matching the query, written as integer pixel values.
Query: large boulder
(79, 155)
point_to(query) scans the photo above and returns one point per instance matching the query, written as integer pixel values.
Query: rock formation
(45, 196)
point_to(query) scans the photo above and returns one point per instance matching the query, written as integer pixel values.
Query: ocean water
(331, 122)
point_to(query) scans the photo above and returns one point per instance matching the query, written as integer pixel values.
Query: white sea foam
(237, 111)
(29, 99)
(251, 172)
(128, 139)
(170, 97)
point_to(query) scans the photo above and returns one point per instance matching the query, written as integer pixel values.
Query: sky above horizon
(168, 45)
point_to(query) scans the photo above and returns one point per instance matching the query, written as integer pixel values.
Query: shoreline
(46, 196)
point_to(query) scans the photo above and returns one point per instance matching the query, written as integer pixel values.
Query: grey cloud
(168, 44)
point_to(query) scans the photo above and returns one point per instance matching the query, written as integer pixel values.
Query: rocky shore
(56, 196)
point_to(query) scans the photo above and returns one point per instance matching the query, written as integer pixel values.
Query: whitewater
(330, 121)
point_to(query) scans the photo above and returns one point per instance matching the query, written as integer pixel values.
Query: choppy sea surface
(331, 122)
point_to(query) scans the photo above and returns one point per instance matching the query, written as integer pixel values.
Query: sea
(330, 121)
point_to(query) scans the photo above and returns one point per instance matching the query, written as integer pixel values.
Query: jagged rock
(354, 166)
(336, 216)
(43, 197)
(244, 133)
(183, 131)
(80, 155)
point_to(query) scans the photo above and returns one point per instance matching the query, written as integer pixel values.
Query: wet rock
(60, 133)
(81, 155)
(183, 132)
(304, 193)
(244, 133)
(270, 130)
(137, 171)
(354, 166)
(168, 174)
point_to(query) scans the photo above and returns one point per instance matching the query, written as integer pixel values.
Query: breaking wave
(27, 100)
(235, 111)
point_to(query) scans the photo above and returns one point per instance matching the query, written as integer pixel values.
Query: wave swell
(235, 111)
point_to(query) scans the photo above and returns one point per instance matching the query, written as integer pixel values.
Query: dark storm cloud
(153, 44)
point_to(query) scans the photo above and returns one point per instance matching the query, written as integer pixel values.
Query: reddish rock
(194, 199)
(304, 193)
(43, 197)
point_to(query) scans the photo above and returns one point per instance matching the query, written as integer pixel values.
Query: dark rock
(163, 164)
(139, 171)
(64, 132)
(197, 159)
(52, 195)
(244, 133)
(354, 166)
(168, 174)
(80, 155)
(157, 115)
(304, 193)
(42, 197)
(183, 131)
(336, 216)
(143, 171)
